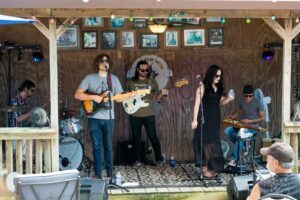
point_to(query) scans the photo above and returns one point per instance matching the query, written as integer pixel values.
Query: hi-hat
(14, 108)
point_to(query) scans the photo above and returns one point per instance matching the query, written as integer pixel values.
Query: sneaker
(232, 163)
(137, 164)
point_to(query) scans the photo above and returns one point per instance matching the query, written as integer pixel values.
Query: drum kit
(70, 145)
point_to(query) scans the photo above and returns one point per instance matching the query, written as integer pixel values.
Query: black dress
(212, 150)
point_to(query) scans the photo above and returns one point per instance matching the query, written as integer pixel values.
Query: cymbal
(14, 108)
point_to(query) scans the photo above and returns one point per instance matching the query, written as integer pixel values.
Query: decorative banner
(161, 71)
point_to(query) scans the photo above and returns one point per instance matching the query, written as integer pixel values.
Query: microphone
(198, 76)
(106, 66)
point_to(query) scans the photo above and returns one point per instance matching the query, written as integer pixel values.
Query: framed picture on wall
(194, 37)
(215, 36)
(108, 40)
(89, 39)
(171, 38)
(149, 41)
(117, 22)
(127, 39)
(93, 22)
(70, 38)
(139, 23)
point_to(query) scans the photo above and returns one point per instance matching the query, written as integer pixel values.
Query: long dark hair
(26, 84)
(136, 74)
(98, 60)
(209, 78)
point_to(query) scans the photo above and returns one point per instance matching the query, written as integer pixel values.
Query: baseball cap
(280, 151)
(248, 89)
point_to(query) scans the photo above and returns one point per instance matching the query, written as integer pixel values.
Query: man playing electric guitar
(100, 123)
(145, 115)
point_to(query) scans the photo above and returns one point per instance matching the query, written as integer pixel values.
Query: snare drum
(70, 126)
(70, 153)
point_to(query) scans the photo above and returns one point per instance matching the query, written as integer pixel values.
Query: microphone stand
(111, 183)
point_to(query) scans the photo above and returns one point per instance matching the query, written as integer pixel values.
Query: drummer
(20, 118)
(251, 111)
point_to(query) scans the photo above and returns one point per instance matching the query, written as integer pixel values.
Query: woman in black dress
(213, 95)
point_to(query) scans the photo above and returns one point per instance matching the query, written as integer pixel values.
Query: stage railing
(28, 150)
(291, 131)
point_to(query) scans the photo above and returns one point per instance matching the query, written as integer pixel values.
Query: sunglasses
(33, 90)
(248, 95)
(104, 61)
(144, 70)
(218, 76)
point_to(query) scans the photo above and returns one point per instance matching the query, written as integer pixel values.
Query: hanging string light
(223, 20)
(297, 19)
(170, 18)
(51, 20)
(85, 1)
(112, 16)
(273, 17)
(248, 20)
(33, 16)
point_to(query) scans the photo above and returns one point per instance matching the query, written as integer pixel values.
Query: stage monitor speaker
(93, 190)
(127, 153)
(239, 187)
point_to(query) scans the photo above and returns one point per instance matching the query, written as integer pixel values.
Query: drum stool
(245, 156)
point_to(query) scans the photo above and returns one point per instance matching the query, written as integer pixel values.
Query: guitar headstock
(181, 82)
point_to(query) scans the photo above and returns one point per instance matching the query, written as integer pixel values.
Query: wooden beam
(60, 30)
(54, 92)
(295, 30)
(275, 26)
(144, 13)
(42, 28)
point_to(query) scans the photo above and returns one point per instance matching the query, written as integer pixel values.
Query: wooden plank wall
(240, 57)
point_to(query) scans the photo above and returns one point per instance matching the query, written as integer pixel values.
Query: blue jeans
(101, 131)
(232, 134)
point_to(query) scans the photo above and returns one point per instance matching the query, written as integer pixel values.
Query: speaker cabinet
(93, 190)
(126, 152)
(239, 187)
(268, 142)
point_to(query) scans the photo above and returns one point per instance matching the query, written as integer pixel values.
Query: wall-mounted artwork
(109, 40)
(92, 22)
(194, 37)
(89, 39)
(117, 22)
(69, 39)
(149, 41)
(215, 37)
(171, 38)
(127, 39)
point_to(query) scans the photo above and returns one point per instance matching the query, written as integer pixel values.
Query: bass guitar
(90, 106)
(133, 104)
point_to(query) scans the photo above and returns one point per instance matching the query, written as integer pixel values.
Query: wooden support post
(286, 77)
(54, 92)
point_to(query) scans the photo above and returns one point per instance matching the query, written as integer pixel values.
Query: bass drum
(70, 153)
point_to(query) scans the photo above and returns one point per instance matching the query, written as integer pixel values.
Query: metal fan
(259, 95)
(39, 117)
(297, 111)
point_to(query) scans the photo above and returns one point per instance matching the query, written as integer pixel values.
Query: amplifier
(126, 153)
(239, 187)
(93, 190)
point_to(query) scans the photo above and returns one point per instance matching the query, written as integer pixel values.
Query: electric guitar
(90, 106)
(133, 104)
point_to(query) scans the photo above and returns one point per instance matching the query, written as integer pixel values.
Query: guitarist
(100, 123)
(251, 111)
(145, 115)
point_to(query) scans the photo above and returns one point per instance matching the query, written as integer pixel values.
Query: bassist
(145, 115)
